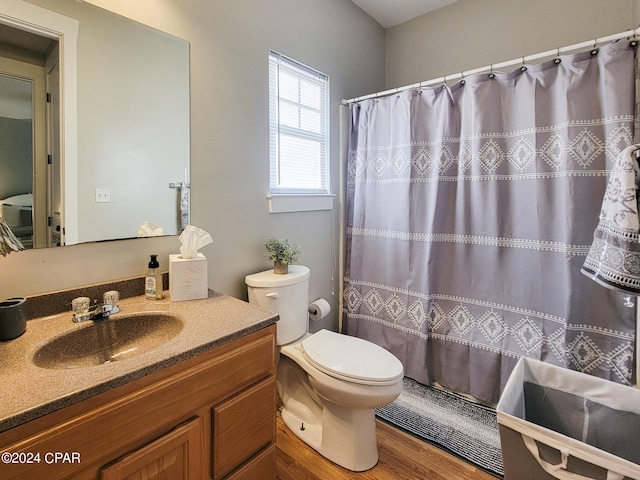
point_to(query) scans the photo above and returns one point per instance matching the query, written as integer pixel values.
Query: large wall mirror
(106, 148)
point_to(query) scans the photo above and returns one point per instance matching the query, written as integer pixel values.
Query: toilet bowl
(329, 384)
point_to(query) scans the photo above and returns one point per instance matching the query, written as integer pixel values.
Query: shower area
(470, 207)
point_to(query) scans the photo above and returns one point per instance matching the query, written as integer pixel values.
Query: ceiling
(392, 12)
(25, 40)
(16, 93)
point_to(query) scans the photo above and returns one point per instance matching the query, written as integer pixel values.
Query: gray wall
(474, 33)
(230, 42)
(16, 163)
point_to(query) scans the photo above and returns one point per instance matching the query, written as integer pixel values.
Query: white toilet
(329, 383)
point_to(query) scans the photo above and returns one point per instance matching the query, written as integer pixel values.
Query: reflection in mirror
(25, 61)
(132, 137)
(16, 156)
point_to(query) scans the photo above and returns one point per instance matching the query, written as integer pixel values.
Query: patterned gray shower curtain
(469, 212)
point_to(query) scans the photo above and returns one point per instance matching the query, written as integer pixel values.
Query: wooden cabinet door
(242, 426)
(174, 456)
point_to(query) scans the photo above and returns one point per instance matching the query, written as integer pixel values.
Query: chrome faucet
(82, 312)
(96, 313)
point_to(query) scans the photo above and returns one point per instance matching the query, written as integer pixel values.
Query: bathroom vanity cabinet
(211, 416)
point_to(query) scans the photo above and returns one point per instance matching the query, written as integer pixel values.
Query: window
(298, 130)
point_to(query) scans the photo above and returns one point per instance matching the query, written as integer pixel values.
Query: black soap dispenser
(153, 280)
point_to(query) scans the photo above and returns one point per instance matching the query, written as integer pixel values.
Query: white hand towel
(614, 258)
(184, 205)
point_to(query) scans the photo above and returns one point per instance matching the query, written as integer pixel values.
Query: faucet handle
(80, 305)
(111, 298)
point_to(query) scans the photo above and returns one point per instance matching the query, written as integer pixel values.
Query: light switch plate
(103, 195)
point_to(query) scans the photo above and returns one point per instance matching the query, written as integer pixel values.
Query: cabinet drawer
(244, 366)
(242, 427)
(262, 466)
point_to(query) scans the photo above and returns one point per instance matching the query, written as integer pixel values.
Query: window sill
(284, 203)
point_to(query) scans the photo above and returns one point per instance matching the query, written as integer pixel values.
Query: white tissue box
(188, 277)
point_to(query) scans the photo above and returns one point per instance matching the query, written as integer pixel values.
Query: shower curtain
(469, 212)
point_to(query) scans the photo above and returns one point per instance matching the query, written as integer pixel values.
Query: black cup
(13, 321)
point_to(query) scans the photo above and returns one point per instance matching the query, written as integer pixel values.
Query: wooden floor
(401, 457)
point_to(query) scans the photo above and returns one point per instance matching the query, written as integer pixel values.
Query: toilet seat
(351, 359)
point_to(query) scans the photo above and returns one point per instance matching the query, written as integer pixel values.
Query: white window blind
(298, 130)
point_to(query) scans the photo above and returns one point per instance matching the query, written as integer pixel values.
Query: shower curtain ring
(523, 68)
(491, 74)
(557, 60)
(444, 82)
(463, 80)
(595, 47)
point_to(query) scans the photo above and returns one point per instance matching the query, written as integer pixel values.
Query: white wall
(474, 33)
(230, 42)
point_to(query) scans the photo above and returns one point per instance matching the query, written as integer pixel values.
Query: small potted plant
(281, 253)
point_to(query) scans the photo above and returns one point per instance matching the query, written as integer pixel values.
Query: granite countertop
(30, 391)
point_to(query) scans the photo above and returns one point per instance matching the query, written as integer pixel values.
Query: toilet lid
(350, 357)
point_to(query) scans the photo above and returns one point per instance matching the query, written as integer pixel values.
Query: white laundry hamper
(556, 423)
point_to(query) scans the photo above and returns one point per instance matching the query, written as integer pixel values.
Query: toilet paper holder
(319, 309)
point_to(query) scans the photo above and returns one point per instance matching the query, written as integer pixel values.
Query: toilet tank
(287, 295)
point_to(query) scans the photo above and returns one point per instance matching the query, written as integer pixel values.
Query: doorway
(29, 162)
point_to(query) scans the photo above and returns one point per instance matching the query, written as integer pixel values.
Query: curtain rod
(490, 68)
